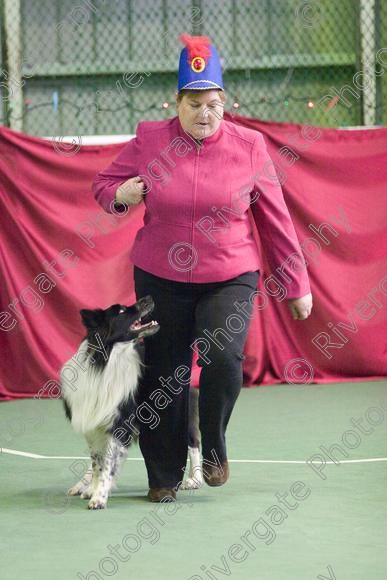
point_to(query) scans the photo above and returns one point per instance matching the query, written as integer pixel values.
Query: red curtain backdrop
(58, 256)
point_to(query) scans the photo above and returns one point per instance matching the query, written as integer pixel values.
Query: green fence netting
(97, 67)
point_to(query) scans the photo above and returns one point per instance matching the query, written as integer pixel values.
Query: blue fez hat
(199, 66)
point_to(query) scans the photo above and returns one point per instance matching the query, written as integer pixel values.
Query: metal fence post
(13, 51)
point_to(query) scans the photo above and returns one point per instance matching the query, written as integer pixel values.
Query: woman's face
(200, 113)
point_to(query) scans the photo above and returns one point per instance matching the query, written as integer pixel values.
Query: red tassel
(196, 46)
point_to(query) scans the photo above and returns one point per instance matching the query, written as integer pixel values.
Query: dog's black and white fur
(99, 386)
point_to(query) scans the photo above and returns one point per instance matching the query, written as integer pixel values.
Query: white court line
(36, 456)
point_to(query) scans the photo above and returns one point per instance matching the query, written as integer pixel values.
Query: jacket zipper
(196, 166)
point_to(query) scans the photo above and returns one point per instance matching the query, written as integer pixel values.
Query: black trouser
(186, 312)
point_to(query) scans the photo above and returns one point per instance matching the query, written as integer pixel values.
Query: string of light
(237, 105)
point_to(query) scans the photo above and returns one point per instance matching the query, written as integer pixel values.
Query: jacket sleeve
(125, 165)
(275, 227)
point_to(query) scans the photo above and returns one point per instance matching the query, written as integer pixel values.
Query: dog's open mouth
(144, 325)
(139, 325)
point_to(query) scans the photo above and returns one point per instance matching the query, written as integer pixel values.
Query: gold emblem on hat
(198, 64)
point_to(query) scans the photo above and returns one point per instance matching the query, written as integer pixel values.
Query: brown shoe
(161, 493)
(213, 476)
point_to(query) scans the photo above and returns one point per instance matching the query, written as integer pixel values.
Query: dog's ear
(92, 318)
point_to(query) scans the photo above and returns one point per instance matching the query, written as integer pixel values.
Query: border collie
(100, 395)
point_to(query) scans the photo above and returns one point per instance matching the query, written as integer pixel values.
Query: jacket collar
(206, 141)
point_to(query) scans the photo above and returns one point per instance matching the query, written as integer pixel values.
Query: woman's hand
(301, 307)
(131, 191)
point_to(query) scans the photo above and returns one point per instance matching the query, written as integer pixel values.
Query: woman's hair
(180, 94)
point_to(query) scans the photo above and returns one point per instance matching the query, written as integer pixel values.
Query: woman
(198, 175)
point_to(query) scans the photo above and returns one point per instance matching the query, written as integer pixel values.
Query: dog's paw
(75, 490)
(79, 487)
(87, 493)
(97, 503)
(191, 483)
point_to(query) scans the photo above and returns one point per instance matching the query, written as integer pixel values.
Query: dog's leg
(83, 484)
(195, 478)
(87, 492)
(106, 468)
(97, 443)
(120, 457)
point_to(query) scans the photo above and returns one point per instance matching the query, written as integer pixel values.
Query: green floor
(339, 531)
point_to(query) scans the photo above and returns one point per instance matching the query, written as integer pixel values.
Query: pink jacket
(196, 222)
